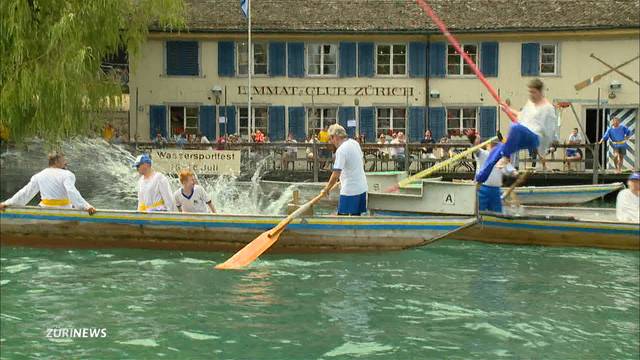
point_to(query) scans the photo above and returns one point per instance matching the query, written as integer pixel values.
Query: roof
(405, 16)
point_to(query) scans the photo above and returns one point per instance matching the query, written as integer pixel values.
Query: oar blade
(251, 251)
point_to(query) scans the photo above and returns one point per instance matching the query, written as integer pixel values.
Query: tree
(52, 84)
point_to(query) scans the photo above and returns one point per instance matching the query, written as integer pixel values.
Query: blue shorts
(352, 205)
(572, 152)
(489, 199)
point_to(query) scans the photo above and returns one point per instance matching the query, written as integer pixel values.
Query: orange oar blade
(251, 251)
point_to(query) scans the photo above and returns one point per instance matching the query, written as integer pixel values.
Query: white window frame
(391, 64)
(463, 63)
(322, 117)
(461, 118)
(556, 63)
(391, 119)
(307, 54)
(264, 129)
(184, 118)
(253, 70)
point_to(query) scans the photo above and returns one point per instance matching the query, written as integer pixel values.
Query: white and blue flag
(244, 5)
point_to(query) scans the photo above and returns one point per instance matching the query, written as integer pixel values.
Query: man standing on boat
(617, 135)
(349, 168)
(628, 200)
(154, 192)
(56, 185)
(534, 132)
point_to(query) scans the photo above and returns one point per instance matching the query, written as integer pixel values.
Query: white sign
(448, 199)
(206, 162)
(222, 120)
(351, 123)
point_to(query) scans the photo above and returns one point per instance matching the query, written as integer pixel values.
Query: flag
(244, 6)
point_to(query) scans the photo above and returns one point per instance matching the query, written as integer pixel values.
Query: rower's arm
(25, 194)
(335, 176)
(210, 205)
(77, 200)
(165, 193)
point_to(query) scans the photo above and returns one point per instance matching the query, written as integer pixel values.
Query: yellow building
(379, 65)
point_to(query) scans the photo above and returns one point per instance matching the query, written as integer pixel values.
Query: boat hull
(563, 195)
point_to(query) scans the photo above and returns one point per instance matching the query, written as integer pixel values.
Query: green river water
(449, 300)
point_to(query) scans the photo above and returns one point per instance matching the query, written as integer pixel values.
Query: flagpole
(250, 119)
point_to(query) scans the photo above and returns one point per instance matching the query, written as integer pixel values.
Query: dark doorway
(594, 134)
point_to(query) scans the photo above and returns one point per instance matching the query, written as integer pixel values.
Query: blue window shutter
(277, 59)
(438, 122)
(437, 59)
(296, 123)
(489, 58)
(276, 123)
(208, 122)
(368, 123)
(347, 54)
(226, 58)
(157, 120)
(295, 58)
(417, 59)
(346, 113)
(487, 127)
(365, 60)
(231, 120)
(530, 65)
(182, 58)
(416, 123)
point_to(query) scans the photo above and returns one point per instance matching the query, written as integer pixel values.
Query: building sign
(201, 162)
(328, 90)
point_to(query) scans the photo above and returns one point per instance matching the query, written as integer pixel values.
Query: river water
(449, 300)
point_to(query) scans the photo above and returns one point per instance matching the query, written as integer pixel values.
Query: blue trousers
(519, 138)
(489, 199)
(352, 205)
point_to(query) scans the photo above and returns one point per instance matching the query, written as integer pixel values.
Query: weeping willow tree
(52, 84)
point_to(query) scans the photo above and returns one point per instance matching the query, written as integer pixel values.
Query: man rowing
(154, 192)
(56, 185)
(628, 200)
(349, 168)
(617, 135)
(534, 132)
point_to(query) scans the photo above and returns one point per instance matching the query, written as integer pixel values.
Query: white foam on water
(4, 282)
(135, 308)
(492, 330)
(140, 342)
(358, 349)
(115, 262)
(36, 291)
(173, 349)
(10, 317)
(195, 261)
(56, 267)
(230, 341)
(105, 255)
(61, 340)
(198, 336)
(155, 262)
(16, 268)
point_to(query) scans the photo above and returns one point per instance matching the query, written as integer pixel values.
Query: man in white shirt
(192, 198)
(397, 153)
(489, 192)
(573, 154)
(628, 200)
(534, 132)
(154, 192)
(349, 168)
(56, 185)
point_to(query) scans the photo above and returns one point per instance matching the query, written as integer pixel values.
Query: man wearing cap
(56, 185)
(628, 200)
(154, 192)
(489, 192)
(349, 168)
(617, 135)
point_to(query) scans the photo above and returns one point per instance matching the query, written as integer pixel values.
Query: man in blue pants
(617, 135)
(534, 131)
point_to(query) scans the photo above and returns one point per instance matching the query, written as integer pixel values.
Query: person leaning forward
(56, 185)
(349, 168)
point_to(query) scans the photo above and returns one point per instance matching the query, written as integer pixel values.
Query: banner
(201, 162)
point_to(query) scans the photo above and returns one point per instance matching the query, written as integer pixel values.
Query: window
(392, 59)
(182, 58)
(259, 58)
(319, 118)
(455, 62)
(393, 119)
(461, 119)
(322, 59)
(184, 119)
(548, 59)
(260, 117)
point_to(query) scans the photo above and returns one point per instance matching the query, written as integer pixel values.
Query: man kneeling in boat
(349, 168)
(57, 187)
(154, 192)
(192, 198)
(628, 200)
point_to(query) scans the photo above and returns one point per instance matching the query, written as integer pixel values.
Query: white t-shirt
(349, 161)
(542, 121)
(154, 194)
(53, 184)
(196, 203)
(495, 178)
(395, 151)
(628, 206)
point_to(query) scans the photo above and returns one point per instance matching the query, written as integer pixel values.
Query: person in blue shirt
(617, 135)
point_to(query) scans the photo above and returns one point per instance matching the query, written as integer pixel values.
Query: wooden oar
(262, 243)
(439, 166)
(583, 84)
(616, 70)
(519, 181)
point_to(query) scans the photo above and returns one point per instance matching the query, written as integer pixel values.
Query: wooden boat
(43, 227)
(553, 226)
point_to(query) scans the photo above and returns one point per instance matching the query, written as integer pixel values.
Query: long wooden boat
(45, 227)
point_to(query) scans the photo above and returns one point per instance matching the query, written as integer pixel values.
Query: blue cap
(142, 159)
(634, 176)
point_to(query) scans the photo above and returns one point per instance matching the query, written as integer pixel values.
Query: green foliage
(51, 82)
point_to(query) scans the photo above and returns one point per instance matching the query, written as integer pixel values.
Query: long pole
(249, 92)
(596, 168)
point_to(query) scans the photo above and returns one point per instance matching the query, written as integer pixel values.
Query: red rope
(466, 57)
